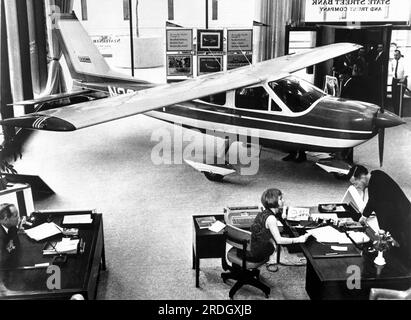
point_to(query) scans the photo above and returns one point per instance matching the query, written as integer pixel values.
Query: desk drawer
(210, 247)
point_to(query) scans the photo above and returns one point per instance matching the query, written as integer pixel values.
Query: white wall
(106, 16)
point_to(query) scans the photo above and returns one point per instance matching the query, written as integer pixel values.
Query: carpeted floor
(148, 208)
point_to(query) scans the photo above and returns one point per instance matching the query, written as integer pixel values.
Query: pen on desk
(36, 266)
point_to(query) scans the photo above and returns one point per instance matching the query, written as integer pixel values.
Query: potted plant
(382, 244)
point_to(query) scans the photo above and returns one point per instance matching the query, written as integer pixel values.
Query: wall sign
(209, 64)
(240, 40)
(179, 65)
(210, 40)
(357, 11)
(179, 40)
(238, 60)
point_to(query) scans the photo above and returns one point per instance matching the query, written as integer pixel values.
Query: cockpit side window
(298, 95)
(255, 98)
(219, 99)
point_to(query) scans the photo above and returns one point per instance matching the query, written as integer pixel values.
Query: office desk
(78, 275)
(326, 278)
(207, 245)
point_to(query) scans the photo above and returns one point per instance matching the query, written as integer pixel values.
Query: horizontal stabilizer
(334, 166)
(51, 98)
(201, 167)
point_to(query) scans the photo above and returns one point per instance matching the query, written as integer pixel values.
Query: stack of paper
(66, 245)
(78, 219)
(205, 222)
(43, 231)
(217, 226)
(358, 237)
(329, 235)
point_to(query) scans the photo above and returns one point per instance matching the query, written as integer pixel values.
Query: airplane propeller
(385, 119)
(381, 144)
(381, 137)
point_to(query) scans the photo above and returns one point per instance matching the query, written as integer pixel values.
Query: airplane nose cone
(388, 120)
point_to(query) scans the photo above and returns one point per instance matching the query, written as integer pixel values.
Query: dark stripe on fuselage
(267, 143)
(256, 123)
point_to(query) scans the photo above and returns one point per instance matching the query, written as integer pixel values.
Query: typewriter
(241, 217)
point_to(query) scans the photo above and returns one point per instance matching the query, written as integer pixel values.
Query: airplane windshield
(298, 95)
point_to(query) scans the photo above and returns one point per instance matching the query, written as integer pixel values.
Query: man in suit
(377, 76)
(400, 78)
(390, 204)
(9, 222)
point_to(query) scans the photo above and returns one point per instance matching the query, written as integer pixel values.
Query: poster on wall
(210, 64)
(238, 60)
(210, 40)
(240, 40)
(357, 10)
(179, 40)
(179, 65)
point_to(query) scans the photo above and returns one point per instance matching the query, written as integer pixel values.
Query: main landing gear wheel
(214, 177)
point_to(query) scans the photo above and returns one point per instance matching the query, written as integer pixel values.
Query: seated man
(264, 230)
(9, 222)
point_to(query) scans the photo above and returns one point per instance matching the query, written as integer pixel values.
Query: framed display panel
(179, 39)
(209, 64)
(240, 40)
(238, 60)
(179, 65)
(210, 40)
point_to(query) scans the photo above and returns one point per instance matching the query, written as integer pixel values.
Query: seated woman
(264, 230)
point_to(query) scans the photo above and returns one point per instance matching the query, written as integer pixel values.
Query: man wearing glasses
(388, 202)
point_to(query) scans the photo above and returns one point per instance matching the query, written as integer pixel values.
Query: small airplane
(289, 113)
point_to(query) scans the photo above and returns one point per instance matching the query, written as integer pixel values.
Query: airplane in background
(289, 113)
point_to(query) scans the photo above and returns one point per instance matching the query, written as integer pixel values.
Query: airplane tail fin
(83, 58)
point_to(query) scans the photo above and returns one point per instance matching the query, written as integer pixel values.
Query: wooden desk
(207, 245)
(78, 275)
(326, 278)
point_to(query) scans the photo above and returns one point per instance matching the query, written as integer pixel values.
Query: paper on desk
(340, 249)
(67, 245)
(329, 235)
(43, 231)
(217, 226)
(78, 219)
(359, 237)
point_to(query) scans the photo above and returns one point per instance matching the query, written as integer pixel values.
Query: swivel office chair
(244, 271)
(385, 294)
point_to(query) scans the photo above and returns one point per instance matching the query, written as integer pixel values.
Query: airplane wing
(51, 98)
(99, 111)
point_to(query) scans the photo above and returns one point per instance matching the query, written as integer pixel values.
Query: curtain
(277, 14)
(38, 44)
(55, 81)
(19, 53)
(5, 89)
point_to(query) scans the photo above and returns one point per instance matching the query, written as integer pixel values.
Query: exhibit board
(194, 52)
